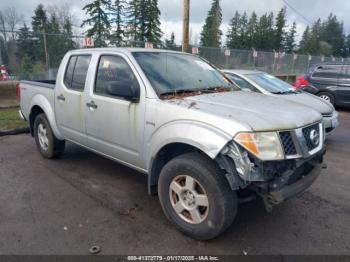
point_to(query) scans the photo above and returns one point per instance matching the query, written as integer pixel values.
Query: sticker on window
(204, 65)
(105, 64)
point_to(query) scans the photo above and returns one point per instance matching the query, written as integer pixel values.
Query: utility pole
(186, 26)
(45, 49)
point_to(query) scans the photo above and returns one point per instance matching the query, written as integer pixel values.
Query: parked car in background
(331, 82)
(179, 120)
(261, 82)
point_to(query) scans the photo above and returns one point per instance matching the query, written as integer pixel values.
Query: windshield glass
(271, 83)
(173, 72)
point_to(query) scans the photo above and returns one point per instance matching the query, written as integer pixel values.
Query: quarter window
(113, 70)
(76, 72)
(327, 71)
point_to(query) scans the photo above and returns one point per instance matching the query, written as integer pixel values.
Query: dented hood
(259, 112)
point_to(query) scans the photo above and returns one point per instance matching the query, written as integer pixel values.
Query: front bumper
(292, 183)
(330, 122)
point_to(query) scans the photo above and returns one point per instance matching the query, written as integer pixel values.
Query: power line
(296, 11)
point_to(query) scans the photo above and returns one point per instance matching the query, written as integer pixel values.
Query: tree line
(270, 32)
(41, 44)
(118, 22)
(34, 49)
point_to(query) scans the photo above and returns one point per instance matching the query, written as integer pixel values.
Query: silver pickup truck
(205, 146)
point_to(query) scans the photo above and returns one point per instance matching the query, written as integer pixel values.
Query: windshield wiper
(179, 91)
(215, 89)
(285, 92)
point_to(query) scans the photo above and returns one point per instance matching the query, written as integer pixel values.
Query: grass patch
(9, 119)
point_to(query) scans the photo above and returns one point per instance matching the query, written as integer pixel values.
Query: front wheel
(196, 196)
(49, 146)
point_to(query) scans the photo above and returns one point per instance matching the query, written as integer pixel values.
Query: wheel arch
(40, 104)
(163, 156)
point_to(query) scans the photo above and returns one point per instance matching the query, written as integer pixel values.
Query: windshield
(271, 84)
(172, 73)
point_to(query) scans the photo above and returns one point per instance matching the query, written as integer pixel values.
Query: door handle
(61, 97)
(91, 105)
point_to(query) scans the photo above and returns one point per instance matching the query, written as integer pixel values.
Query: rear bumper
(282, 188)
(21, 115)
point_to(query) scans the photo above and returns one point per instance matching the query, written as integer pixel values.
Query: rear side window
(112, 69)
(69, 72)
(327, 71)
(76, 72)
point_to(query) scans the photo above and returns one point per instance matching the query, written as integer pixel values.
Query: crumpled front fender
(206, 138)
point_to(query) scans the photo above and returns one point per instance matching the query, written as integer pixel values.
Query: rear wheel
(49, 146)
(327, 97)
(196, 196)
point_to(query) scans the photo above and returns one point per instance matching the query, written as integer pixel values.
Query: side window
(243, 84)
(113, 70)
(76, 72)
(327, 71)
(80, 72)
(69, 71)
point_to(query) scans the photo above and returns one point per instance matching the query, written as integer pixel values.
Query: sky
(171, 12)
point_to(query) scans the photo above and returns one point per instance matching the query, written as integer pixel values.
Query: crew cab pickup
(205, 145)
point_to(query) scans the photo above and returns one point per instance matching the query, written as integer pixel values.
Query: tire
(327, 96)
(48, 145)
(215, 215)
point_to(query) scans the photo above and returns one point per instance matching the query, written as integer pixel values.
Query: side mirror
(129, 90)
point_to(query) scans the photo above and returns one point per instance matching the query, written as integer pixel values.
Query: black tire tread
(228, 197)
(58, 146)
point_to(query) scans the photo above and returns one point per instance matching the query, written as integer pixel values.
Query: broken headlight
(263, 145)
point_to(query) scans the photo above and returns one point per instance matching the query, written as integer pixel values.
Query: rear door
(69, 97)
(343, 90)
(326, 75)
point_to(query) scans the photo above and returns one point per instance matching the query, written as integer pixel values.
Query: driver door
(114, 125)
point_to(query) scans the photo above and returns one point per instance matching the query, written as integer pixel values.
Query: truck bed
(35, 90)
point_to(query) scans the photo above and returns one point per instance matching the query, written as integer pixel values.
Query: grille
(288, 144)
(307, 133)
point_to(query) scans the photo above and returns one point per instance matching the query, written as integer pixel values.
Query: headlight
(264, 145)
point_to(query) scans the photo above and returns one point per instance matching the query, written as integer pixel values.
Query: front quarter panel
(206, 138)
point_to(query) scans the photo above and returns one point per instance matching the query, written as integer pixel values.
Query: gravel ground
(65, 206)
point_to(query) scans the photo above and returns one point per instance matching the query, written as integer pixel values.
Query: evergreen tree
(152, 32)
(211, 33)
(98, 19)
(315, 38)
(170, 43)
(305, 41)
(266, 33)
(132, 14)
(25, 43)
(39, 26)
(232, 37)
(243, 31)
(279, 29)
(290, 39)
(252, 31)
(55, 41)
(118, 12)
(332, 33)
(69, 44)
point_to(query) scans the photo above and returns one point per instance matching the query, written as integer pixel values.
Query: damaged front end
(275, 180)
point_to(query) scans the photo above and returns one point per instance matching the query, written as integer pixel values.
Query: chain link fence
(279, 64)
